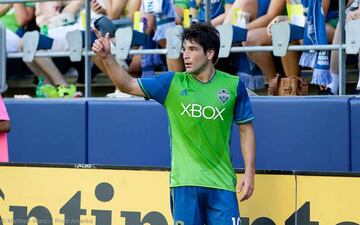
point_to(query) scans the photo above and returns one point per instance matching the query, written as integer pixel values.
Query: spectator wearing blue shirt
(218, 8)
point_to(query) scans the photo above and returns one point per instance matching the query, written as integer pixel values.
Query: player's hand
(246, 184)
(101, 46)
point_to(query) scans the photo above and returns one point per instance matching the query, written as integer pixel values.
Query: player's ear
(210, 54)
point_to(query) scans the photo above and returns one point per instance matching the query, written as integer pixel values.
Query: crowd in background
(55, 19)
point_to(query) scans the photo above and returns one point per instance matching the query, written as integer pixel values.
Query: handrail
(46, 53)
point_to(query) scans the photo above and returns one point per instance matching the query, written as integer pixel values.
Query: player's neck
(206, 74)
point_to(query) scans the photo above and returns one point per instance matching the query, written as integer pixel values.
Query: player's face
(195, 59)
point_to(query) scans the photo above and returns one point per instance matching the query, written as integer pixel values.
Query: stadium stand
(137, 22)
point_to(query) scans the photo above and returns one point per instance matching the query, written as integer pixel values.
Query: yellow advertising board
(329, 200)
(83, 196)
(70, 196)
(273, 200)
(106, 197)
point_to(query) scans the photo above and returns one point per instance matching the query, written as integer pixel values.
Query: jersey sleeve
(243, 111)
(156, 87)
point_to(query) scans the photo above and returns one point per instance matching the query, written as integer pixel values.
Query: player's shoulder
(180, 75)
(228, 77)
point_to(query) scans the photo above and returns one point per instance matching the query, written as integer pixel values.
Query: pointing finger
(97, 33)
(107, 35)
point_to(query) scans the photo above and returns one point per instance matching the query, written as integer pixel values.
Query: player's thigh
(222, 208)
(186, 206)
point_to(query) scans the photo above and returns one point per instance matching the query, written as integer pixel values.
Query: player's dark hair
(205, 35)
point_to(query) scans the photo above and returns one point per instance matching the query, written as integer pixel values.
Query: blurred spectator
(315, 34)
(331, 12)
(262, 36)
(117, 10)
(56, 19)
(164, 19)
(4, 129)
(15, 17)
(180, 5)
(353, 13)
(218, 10)
(289, 63)
(54, 30)
(260, 14)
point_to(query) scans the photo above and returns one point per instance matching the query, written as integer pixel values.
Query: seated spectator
(218, 9)
(15, 17)
(4, 129)
(353, 13)
(289, 62)
(54, 38)
(157, 23)
(218, 12)
(56, 19)
(331, 12)
(180, 5)
(315, 33)
(265, 60)
(261, 13)
(115, 10)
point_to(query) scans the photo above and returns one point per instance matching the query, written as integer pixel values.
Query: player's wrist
(250, 170)
(107, 56)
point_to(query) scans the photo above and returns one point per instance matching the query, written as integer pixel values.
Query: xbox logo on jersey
(206, 112)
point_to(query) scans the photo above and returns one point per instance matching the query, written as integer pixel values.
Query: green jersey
(9, 18)
(182, 3)
(200, 117)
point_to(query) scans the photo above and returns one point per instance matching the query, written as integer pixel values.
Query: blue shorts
(198, 206)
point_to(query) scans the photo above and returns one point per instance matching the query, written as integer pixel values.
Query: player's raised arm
(117, 74)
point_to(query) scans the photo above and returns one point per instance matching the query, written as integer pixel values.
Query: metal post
(87, 49)
(207, 11)
(342, 56)
(3, 85)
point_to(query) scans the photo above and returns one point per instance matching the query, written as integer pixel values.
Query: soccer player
(202, 104)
